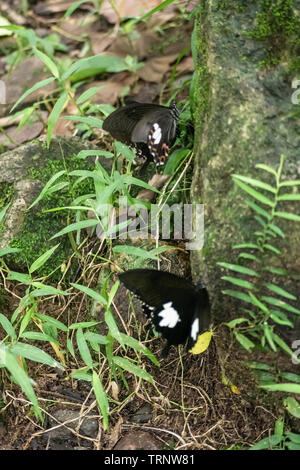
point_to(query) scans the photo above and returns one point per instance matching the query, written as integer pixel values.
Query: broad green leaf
(83, 348)
(20, 277)
(55, 113)
(32, 89)
(42, 259)
(101, 398)
(239, 269)
(279, 291)
(7, 326)
(48, 290)
(34, 354)
(124, 150)
(94, 65)
(130, 367)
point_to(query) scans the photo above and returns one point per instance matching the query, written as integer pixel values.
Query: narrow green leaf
(262, 166)
(249, 256)
(91, 293)
(272, 248)
(255, 194)
(130, 367)
(52, 321)
(254, 182)
(32, 89)
(277, 230)
(42, 259)
(289, 183)
(238, 295)
(48, 62)
(236, 321)
(35, 335)
(280, 304)
(239, 269)
(267, 443)
(55, 113)
(95, 338)
(257, 209)
(258, 303)
(293, 407)
(239, 282)
(290, 376)
(134, 251)
(7, 326)
(3, 211)
(83, 324)
(137, 346)
(34, 354)
(76, 226)
(272, 269)
(83, 348)
(283, 387)
(87, 94)
(280, 318)
(101, 398)
(287, 215)
(246, 245)
(20, 378)
(289, 197)
(6, 251)
(48, 290)
(279, 291)
(285, 347)
(92, 153)
(269, 335)
(113, 328)
(244, 341)
(46, 188)
(89, 120)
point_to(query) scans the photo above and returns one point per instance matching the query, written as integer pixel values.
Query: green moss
(39, 226)
(278, 26)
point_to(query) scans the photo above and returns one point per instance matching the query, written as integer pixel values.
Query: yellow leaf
(234, 389)
(202, 342)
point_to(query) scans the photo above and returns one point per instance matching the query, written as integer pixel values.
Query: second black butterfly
(177, 309)
(150, 128)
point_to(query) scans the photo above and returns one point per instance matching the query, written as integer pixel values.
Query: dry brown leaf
(186, 65)
(155, 68)
(101, 41)
(138, 47)
(157, 181)
(125, 8)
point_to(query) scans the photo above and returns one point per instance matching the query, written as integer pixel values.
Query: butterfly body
(177, 309)
(151, 128)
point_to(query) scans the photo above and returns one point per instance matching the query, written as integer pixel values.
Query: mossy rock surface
(244, 116)
(24, 172)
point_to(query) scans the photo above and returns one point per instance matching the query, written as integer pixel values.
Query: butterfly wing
(172, 303)
(145, 123)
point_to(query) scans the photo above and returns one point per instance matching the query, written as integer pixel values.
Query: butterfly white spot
(156, 136)
(195, 329)
(169, 315)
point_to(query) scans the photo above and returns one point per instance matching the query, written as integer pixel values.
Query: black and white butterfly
(177, 309)
(150, 128)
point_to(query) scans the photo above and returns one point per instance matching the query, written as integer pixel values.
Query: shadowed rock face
(244, 116)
